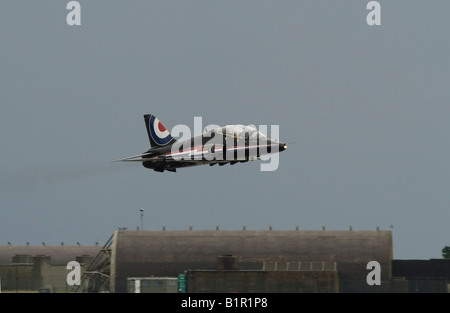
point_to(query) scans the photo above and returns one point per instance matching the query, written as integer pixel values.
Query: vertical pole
(142, 219)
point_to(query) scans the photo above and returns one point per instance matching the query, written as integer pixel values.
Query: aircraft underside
(171, 166)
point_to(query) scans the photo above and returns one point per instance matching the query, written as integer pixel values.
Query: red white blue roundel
(159, 132)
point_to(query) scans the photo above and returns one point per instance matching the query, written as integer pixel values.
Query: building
(246, 261)
(41, 268)
(279, 254)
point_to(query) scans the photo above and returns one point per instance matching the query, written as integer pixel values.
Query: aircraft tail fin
(158, 134)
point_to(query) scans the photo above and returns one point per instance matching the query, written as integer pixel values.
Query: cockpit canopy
(239, 131)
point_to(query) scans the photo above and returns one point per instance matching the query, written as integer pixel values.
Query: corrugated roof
(281, 245)
(58, 254)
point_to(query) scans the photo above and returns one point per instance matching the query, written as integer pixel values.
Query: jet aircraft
(227, 144)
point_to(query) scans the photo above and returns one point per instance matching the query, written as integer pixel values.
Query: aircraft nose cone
(282, 146)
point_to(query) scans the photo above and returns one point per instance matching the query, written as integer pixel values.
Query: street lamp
(142, 219)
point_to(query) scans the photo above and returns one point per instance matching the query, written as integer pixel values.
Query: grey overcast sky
(367, 107)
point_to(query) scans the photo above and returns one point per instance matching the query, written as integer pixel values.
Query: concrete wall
(198, 281)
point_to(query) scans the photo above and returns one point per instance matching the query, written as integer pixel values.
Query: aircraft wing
(172, 161)
(136, 158)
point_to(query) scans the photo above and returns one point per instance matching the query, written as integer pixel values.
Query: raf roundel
(159, 132)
